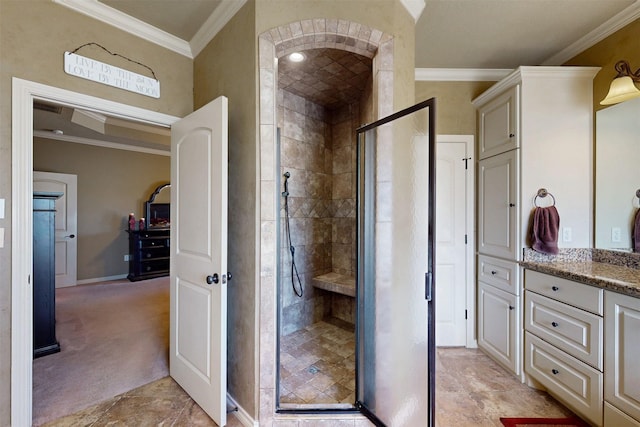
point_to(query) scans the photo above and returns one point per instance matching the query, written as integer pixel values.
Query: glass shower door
(396, 198)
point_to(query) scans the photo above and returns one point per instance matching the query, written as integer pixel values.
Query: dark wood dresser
(149, 250)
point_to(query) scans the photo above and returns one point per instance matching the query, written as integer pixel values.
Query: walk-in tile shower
(321, 102)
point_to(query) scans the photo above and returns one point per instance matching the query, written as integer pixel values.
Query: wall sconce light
(622, 87)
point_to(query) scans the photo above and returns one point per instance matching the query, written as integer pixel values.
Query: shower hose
(294, 269)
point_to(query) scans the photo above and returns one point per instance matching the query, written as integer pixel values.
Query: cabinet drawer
(573, 293)
(154, 266)
(154, 252)
(575, 331)
(571, 381)
(616, 418)
(499, 273)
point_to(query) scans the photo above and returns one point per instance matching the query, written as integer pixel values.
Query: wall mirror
(617, 174)
(158, 207)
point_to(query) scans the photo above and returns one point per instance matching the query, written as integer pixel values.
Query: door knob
(71, 236)
(229, 276)
(554, 324)
(213, 279)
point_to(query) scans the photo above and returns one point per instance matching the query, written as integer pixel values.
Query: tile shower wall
(317, 147)
(305, 152)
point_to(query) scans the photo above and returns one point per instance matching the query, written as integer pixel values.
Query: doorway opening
(25, 93)
(95, 317)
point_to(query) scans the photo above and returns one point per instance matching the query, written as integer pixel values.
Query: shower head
(285, 193)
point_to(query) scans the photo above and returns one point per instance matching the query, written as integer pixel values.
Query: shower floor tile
(317, 364)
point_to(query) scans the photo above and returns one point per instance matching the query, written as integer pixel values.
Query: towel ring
(542, 193)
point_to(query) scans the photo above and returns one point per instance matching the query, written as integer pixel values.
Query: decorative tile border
(325, 33)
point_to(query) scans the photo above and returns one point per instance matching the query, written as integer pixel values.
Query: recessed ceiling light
(296, 57)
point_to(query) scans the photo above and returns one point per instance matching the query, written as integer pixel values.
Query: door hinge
(465, 315)
(466, 160)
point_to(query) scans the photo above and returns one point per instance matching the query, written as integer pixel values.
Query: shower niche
(321, 103)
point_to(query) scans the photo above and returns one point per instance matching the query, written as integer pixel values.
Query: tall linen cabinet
(535, 131)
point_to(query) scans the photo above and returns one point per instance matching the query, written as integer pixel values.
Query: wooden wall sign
(90, 69)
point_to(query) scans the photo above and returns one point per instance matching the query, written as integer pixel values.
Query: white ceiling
(467, 34)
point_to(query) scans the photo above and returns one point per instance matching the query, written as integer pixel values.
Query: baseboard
(101, 279)
(242, 415)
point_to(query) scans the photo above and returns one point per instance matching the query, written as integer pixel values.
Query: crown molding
(533, 72)
(124, 22)
(216, 22)
(618, 21)
(99, 143)
(461, 74)
(414, 7)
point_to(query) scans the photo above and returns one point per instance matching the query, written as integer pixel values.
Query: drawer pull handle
(555, 371)
(554, 324)
(511, 307)
(555, 288)
(494, 272)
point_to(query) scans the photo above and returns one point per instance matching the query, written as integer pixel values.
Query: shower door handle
(428, 286)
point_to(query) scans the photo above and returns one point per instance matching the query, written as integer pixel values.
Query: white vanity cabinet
(535, 131)
(622, 366)
(563, 326)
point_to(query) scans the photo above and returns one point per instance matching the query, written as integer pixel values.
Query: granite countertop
(599, 271)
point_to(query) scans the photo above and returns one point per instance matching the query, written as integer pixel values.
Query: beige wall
(108, 189)
(455, 115)
(33, 37)
(227, 66)
(623, 44)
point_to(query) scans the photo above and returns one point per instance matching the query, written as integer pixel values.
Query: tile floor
(472, 391)
(317, 365)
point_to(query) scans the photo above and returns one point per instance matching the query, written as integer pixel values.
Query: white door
(198, 346)
(451, 209)
(66, 222)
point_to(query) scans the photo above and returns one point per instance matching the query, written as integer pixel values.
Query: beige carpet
(114, 337)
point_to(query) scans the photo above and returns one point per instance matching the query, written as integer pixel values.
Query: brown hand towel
(546, 223)
(636, 232)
